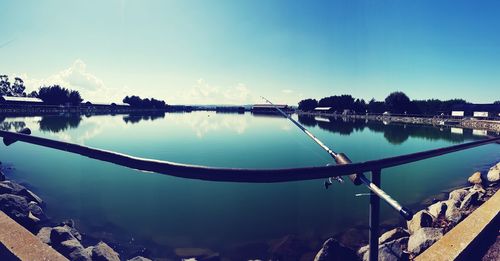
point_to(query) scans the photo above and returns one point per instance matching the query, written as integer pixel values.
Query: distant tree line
(137, 102)
(396, 102)
(57, 95)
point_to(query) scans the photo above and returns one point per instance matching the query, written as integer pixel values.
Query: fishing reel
(330, 180)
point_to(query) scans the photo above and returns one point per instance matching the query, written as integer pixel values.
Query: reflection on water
(59, 123)
(395, 133)
(12, 125)
(143, 116)
(162, 212)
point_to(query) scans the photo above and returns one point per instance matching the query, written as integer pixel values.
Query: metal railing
(254, 175)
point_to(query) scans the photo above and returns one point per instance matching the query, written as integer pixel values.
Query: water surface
(163, 213)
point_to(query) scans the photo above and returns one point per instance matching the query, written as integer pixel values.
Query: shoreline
(467, 123)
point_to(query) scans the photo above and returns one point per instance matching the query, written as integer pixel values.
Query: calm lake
(162, 213)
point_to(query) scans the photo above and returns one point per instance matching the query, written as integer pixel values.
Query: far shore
(464, 122)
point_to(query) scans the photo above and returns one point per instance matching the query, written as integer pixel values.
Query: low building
(10, 100)
(322, 109)
(479, 111)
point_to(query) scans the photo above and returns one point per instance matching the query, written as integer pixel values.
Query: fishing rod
(341, 159)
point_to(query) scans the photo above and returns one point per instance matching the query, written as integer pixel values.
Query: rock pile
(26, 208)
(430, 224)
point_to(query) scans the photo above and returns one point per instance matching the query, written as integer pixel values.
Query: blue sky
(232, 52)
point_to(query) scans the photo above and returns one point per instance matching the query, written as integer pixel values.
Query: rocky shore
(428, 225)
(26, 208)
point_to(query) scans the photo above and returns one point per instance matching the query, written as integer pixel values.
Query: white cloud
(287, 91)
(205, 93)
(77, 77)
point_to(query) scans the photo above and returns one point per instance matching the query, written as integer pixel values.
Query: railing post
(374, 218)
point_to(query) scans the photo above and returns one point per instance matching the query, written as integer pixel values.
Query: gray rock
(74, 250)
(33, 218)
(479, 188)
(332, 250)
(420, 219)
(423, 239)
(103, 252)
(75, 233)
(60, 234)
(36, 210)
(452, 213)
(15, 207)
(5, 189)
(44, 235)
(390, 251)
(393, 234)
(458, 194)
(437, 209)
(81, 254)
(493, 174)
(30, 196)
(15, 188)
(475, 178)
(470, 200)
(139, 258)
(2, 176)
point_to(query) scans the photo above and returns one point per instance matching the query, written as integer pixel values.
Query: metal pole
(374, 218)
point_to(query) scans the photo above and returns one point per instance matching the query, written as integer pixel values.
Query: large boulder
(389, 251)
(2, 176)
(458, 194)
(44, 235)
(493, 174)
(437, 209)
(420, 219)
(470, 200)
(475, 178)
(103, 252)
(479, 188)
(36, 210)
(10, 187)
(15, 188)
(393, 234)
(15, 207)
(452, 213)
(332, 250)
(60, 234)
(423, 239)
(30, 196)
(74, 250)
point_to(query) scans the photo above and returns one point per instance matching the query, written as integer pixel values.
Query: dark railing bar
(237, 174)
(374, 218)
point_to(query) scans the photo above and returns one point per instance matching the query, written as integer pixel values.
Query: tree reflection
(137, 117)
(394, 133)
(59, 123)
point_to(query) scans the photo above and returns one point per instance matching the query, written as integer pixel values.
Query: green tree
(398, 102)
(308, 104)
(18, 87)
(58, 95)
